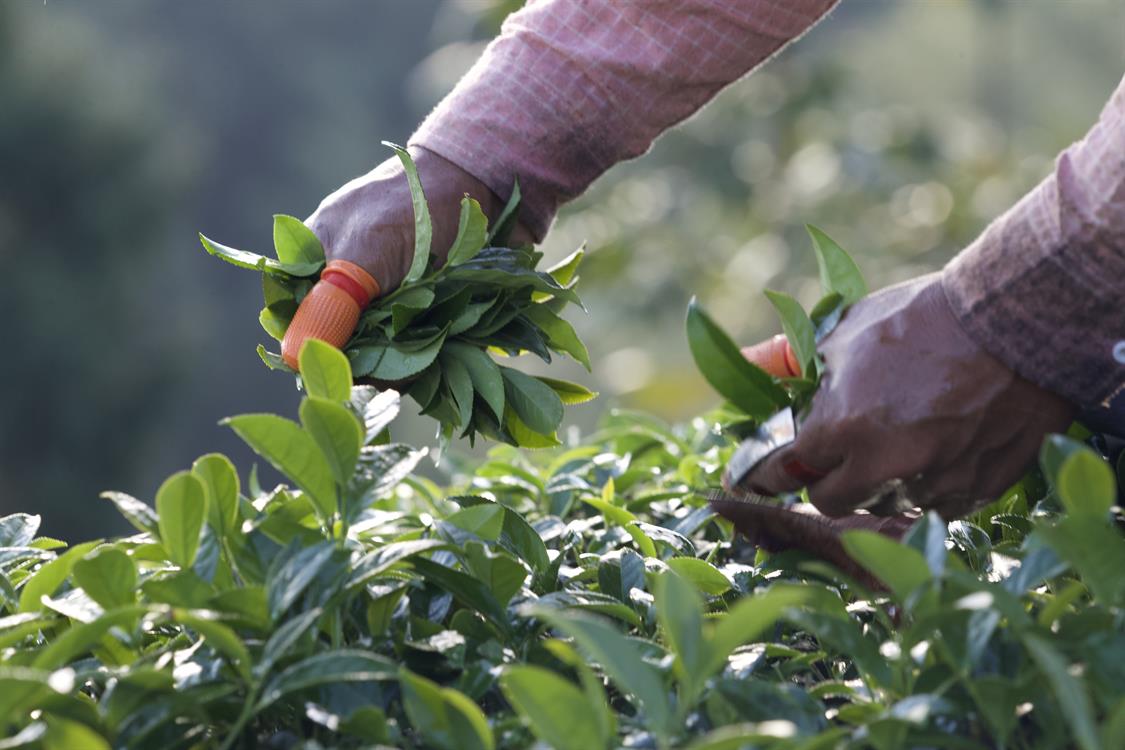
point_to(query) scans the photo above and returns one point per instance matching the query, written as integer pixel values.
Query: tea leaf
(325, 371)
(219, 637)
(483, 372)
(445, 717)
(18, 529)
(292, 451)
(220, 482)
(50, 576)
(569, 393)
(620, 659)
(254, 262)
(472, 229)
(1084, 482)
(393, 362)
(902, 568)
(423, 229)
(838, 272)
(141, 516)
(705, 576)
(534, 402)
(343, 665)
(294, 242)
(108, 576)
(560, 334)
(1070, 692)
(181, 505)
(797, 326)
(337, 433)
(728, 372)
(551, 704)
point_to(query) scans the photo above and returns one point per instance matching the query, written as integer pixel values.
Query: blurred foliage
(900, 128)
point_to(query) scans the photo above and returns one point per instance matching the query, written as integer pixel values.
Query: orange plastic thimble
(775, 356)
(330, 311)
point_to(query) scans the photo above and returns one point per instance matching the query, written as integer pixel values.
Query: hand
(908, 396)
(370, 220)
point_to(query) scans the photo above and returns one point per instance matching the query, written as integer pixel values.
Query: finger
(775, 356)
(331, 309)
(808, 459)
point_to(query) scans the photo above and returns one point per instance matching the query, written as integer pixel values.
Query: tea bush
(580, 597)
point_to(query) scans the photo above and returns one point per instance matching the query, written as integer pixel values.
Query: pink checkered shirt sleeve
(1043, 288)
(571, 87)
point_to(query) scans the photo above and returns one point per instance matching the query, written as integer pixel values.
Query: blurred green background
(901, 128)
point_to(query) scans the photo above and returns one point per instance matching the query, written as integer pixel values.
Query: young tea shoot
(434, 337)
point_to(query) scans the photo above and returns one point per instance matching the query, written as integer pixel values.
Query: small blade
(775, 433)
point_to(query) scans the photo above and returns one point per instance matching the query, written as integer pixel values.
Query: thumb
(775, 356)
(331, 309)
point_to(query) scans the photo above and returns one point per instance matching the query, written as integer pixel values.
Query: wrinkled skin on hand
(909, 396)
(801, 527)
(370, 220)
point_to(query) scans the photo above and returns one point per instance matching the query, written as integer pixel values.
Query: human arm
(568, 88)
(949, 382)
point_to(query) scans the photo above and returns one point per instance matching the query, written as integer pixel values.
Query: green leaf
(379, 412)
(551, 705)
(797, 326)
(255, 262)
(294, 242)
(1069, 691)
(50, 576)
(380, 560)
(705, 576)
(561, 335)
(292, 451)
(503, 574)
(507, 215)
(181, 504)
(325, 371)
(483, 372)
(64, 734)
(408, 305)
(393, 362)
(525, 437)
(472, 230)
(423, 229)
(533, 401)
(747, 620)
(728, 372)
(838, 272)
(902, 568)
(290, 576)
(220, 483)
(566, 269)
(486, 521)
(336, 431)
(445, 717)
(78, 639)
(569, 393)
(285, 638)
(140, 515)
(681, 619)
(460, 383)
(18, 529)
(1084, 482)
(108, 576)
(219, 637)
(621, 660)
(465, 588)
(328, 668)
(1093, 548)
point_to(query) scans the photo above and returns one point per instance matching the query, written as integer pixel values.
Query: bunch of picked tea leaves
(432, 337)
